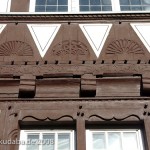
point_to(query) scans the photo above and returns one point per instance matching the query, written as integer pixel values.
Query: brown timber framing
(97, 17)
(114, 111)
(102, 109)
(51, 68)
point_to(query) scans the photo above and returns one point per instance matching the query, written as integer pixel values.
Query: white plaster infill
(143, 32)
(43, 35)
(5, 5)
(2, 27)
(96, 35)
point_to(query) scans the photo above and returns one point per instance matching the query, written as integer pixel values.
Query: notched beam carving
(65, 117)
(115, 118)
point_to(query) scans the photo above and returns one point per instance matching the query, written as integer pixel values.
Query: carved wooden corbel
(27, 86)
(88, 85)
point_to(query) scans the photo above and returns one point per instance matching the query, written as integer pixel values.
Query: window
(114, 139)
(51, 6)
(135, 5)
(75, 6)
(95, 5)
(46, 140)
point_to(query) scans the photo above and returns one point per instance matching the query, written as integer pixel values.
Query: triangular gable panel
(2, 26)
(96, 35)
(143, 32)
(5, 5)
(43, 35)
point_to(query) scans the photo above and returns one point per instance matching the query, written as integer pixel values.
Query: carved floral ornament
(124, 47)
(70, 48)
(17, 48)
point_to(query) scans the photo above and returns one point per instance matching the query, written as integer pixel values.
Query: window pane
(84, 2)
(51, 8)
(124, 2)
(84, 8)
(95, 8)
(106, 2)
(62, 2)
(62, 8)
(33, 139)
(125, 8)
(146, 8)
(51, 2)
(99, 141)
(94, 2)
(48, 142)
(135, 2)
(145, 1)
(63, 141)
(106, 8)
(114, 141)
(40, 9)
(40, 2)
(130, 141)
(136, 8)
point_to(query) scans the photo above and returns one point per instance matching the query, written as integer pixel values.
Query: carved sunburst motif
(70, 47)
(124, 46)
(15, 48)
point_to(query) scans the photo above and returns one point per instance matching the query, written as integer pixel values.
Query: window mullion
(106, 139)
(74, 5)
(122, 141)
(115, 5)
(56, 141)
(40, 141)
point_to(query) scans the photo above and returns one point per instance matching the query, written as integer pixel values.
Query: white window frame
(73, 7)
(90, 132)
(24, 133)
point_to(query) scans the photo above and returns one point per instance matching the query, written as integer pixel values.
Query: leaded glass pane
(114, 141)
(146, 2)
(99, 142)
(62, 8)
(51, 8)
(106, 8)
(95, 8)
(63, 141)
(84, 8)
(84, 2)
(94, 2)
(48, 142)
(33, 142)
(135, 2)
(62, 2)
(124, 2)
(106, 2)
(40, 8)
(125, 8)
(40, 2)
(51, 2)
(146, 8)
(136, 8)
(130, 141)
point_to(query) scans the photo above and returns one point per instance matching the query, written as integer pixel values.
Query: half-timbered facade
(76, 73)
